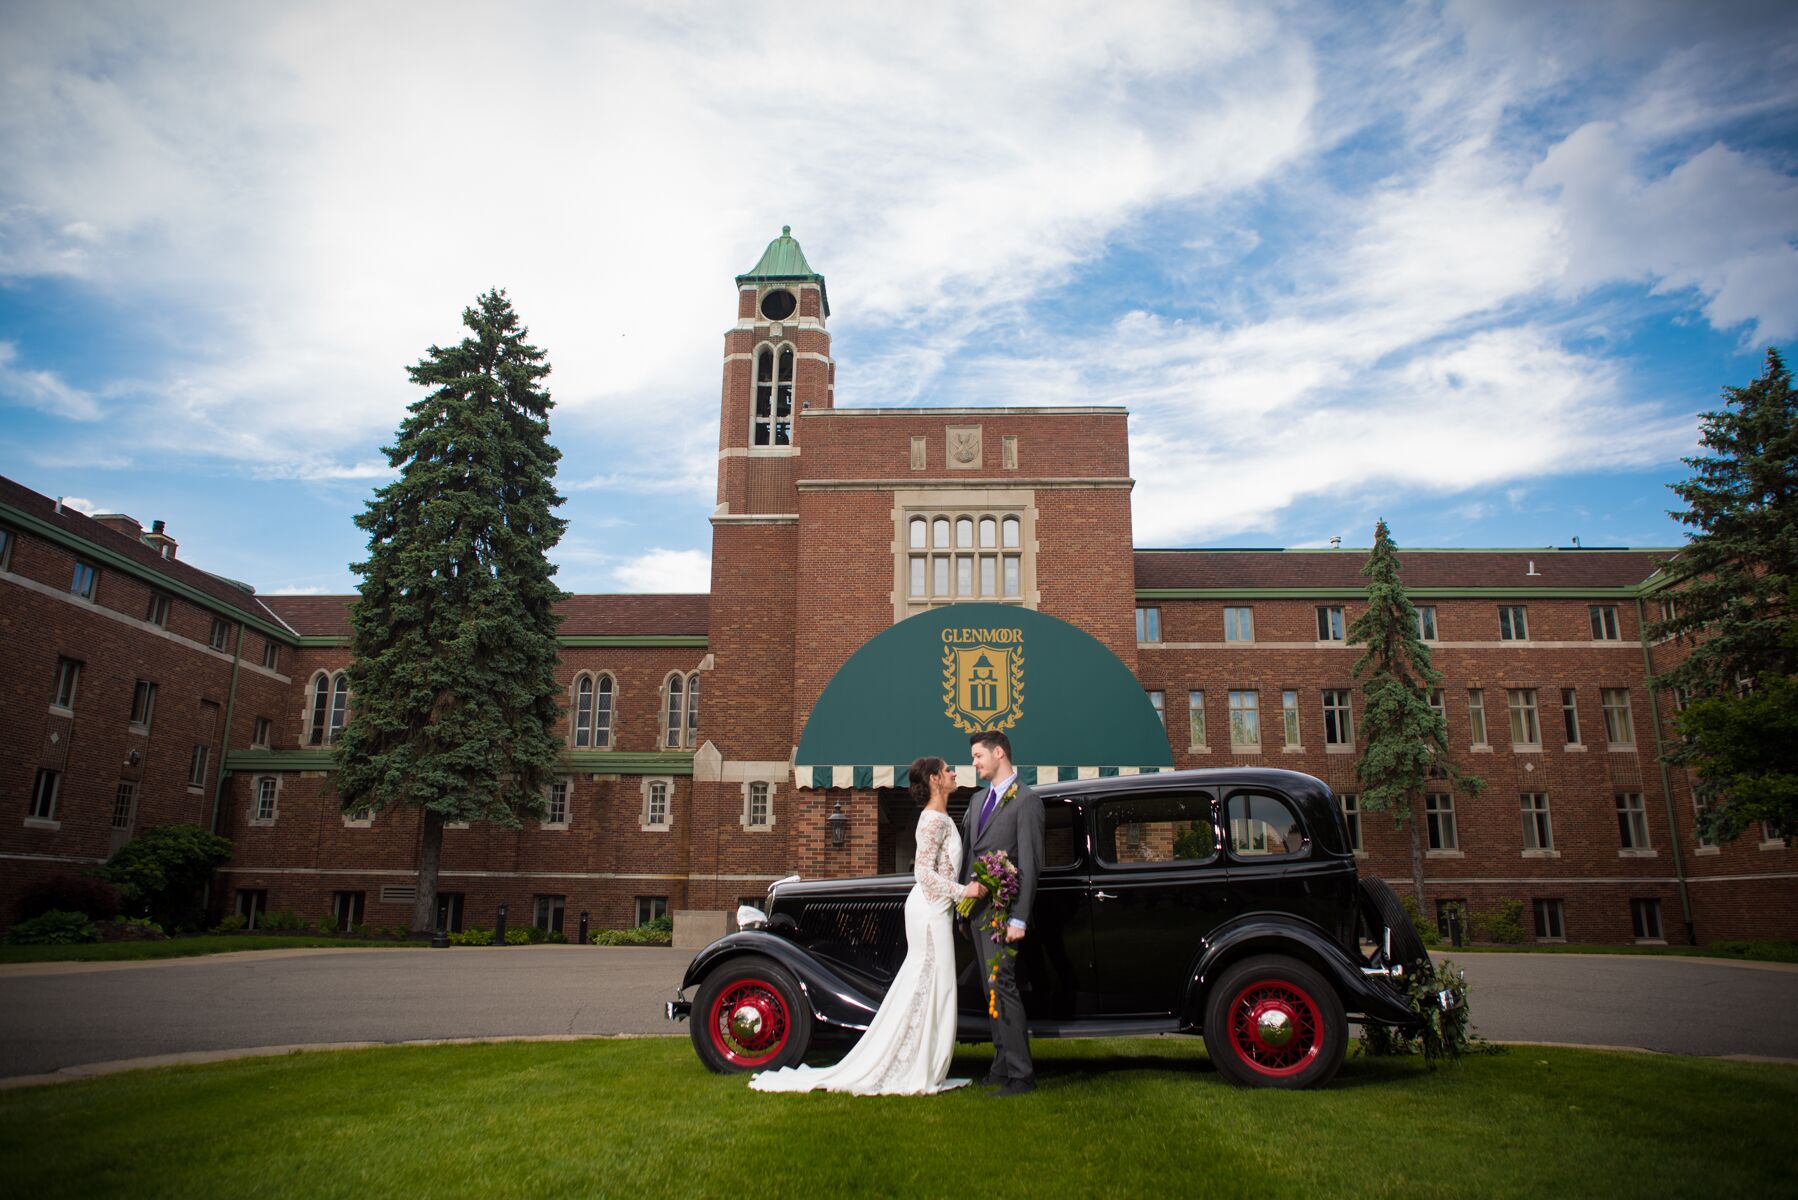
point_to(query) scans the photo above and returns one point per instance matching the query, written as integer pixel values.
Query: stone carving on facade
(961, 445)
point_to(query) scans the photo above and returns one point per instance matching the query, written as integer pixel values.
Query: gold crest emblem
(983, 683)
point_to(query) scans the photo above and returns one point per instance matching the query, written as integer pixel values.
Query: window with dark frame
(158, 611)
(143, 705)
(1339, 717)
(43, 795)
(557, 811)
(1605, 626)
(86, 580)
(124, 804)
(1513, 623)
(265, 730)
(1426, 622)
(1526, 729)
(196, 765)
(548, 916)
(6, 540)
(1538, 828)
(651, 908)
(252, 906)
(267, 788)
(1550, 924)
(1570, 715)
(1645, 917)
(1331, 624)
(349, 908)
(271, 654)
(68, 678)
(1439, 816)
(760, 809)
(1619, 728)
(221, 633)
(1632, 821)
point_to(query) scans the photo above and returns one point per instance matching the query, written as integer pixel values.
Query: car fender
(833, 999)
(1362, 995)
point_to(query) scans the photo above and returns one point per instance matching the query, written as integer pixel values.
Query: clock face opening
(778, 305)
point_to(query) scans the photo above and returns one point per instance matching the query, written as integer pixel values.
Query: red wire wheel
(749, 1023)
(1275, 1027)
(1273, 1021)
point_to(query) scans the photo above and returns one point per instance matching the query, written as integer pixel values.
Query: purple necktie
(986, 810)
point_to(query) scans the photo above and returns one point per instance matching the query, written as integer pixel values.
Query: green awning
(1071, 709)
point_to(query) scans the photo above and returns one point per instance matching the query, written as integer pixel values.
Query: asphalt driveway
(55, 1016)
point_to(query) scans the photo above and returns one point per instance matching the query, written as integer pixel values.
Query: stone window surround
(999, 502)
(574, 710)
(567, 784)
(644, 786)
(274, 813)
(773, 787)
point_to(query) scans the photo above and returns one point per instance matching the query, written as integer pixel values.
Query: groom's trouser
(1011, 1038)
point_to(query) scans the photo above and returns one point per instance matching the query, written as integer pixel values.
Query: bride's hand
(975, 890)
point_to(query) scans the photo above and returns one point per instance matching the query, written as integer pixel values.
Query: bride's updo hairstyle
(921, 771)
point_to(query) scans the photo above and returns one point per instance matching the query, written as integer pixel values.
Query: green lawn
(1765, 950)
(181, 947)
(641, 1118)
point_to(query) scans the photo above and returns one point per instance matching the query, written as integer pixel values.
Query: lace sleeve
(927, 865)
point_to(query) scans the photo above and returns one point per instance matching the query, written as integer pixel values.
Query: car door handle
(1104, 896)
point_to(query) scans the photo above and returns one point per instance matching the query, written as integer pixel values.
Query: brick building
(705, 758)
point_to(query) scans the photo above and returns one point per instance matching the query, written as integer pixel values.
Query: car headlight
(750, 917)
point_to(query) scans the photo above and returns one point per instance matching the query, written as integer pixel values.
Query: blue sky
(1474, 268)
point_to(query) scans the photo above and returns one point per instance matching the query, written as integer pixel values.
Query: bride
(908, 1045)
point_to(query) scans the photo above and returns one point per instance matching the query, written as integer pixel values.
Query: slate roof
(1337, 569)
(237, 597)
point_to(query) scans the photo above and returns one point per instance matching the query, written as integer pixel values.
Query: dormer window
(773, 420)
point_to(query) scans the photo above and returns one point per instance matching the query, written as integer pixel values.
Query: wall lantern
(839, 825)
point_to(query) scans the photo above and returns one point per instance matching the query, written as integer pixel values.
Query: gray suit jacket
(1017, 829)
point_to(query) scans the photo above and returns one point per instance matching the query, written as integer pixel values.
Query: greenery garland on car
(1443, 1034)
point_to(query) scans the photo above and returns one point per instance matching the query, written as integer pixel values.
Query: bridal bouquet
(995, 870)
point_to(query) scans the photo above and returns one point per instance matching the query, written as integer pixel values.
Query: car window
(1061, 836)
(1263, 825)
(1153, 829)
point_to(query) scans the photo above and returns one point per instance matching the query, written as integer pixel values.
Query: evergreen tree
(1404, 740)
(1734, 593)
(454, 633)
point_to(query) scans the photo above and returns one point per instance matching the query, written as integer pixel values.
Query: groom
(1005, 816)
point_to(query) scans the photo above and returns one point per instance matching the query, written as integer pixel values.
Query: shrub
(1502, 923)
(327, 923)
(134, 929)
(659, 932)
(356, 930)
(163, 871)
(235, 923)
(86, 894)
(484, 937)
(1763, 949)
(54, 928)
(285, 921)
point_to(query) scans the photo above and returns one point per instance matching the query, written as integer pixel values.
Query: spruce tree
(1734, 600)
(1404, 740)
(453, 674)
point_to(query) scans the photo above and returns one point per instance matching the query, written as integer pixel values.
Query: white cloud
(662, 570)
(43, 390)
(1721, 222)
(80, 504)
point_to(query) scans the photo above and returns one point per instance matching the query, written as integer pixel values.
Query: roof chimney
(159, 541)
(1532, 570)
(120, 523)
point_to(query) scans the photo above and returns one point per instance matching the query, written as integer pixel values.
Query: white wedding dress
(907, 1048)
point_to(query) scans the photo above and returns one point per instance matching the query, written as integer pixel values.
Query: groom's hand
(975, 890)
(1014, 933)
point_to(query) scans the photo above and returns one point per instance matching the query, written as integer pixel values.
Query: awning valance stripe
(885, 776)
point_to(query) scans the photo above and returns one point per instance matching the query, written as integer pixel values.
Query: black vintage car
(1217, 902)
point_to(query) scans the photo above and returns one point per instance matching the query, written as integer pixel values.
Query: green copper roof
(784, 261)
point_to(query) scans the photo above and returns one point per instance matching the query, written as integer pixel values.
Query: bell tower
(777, 365)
